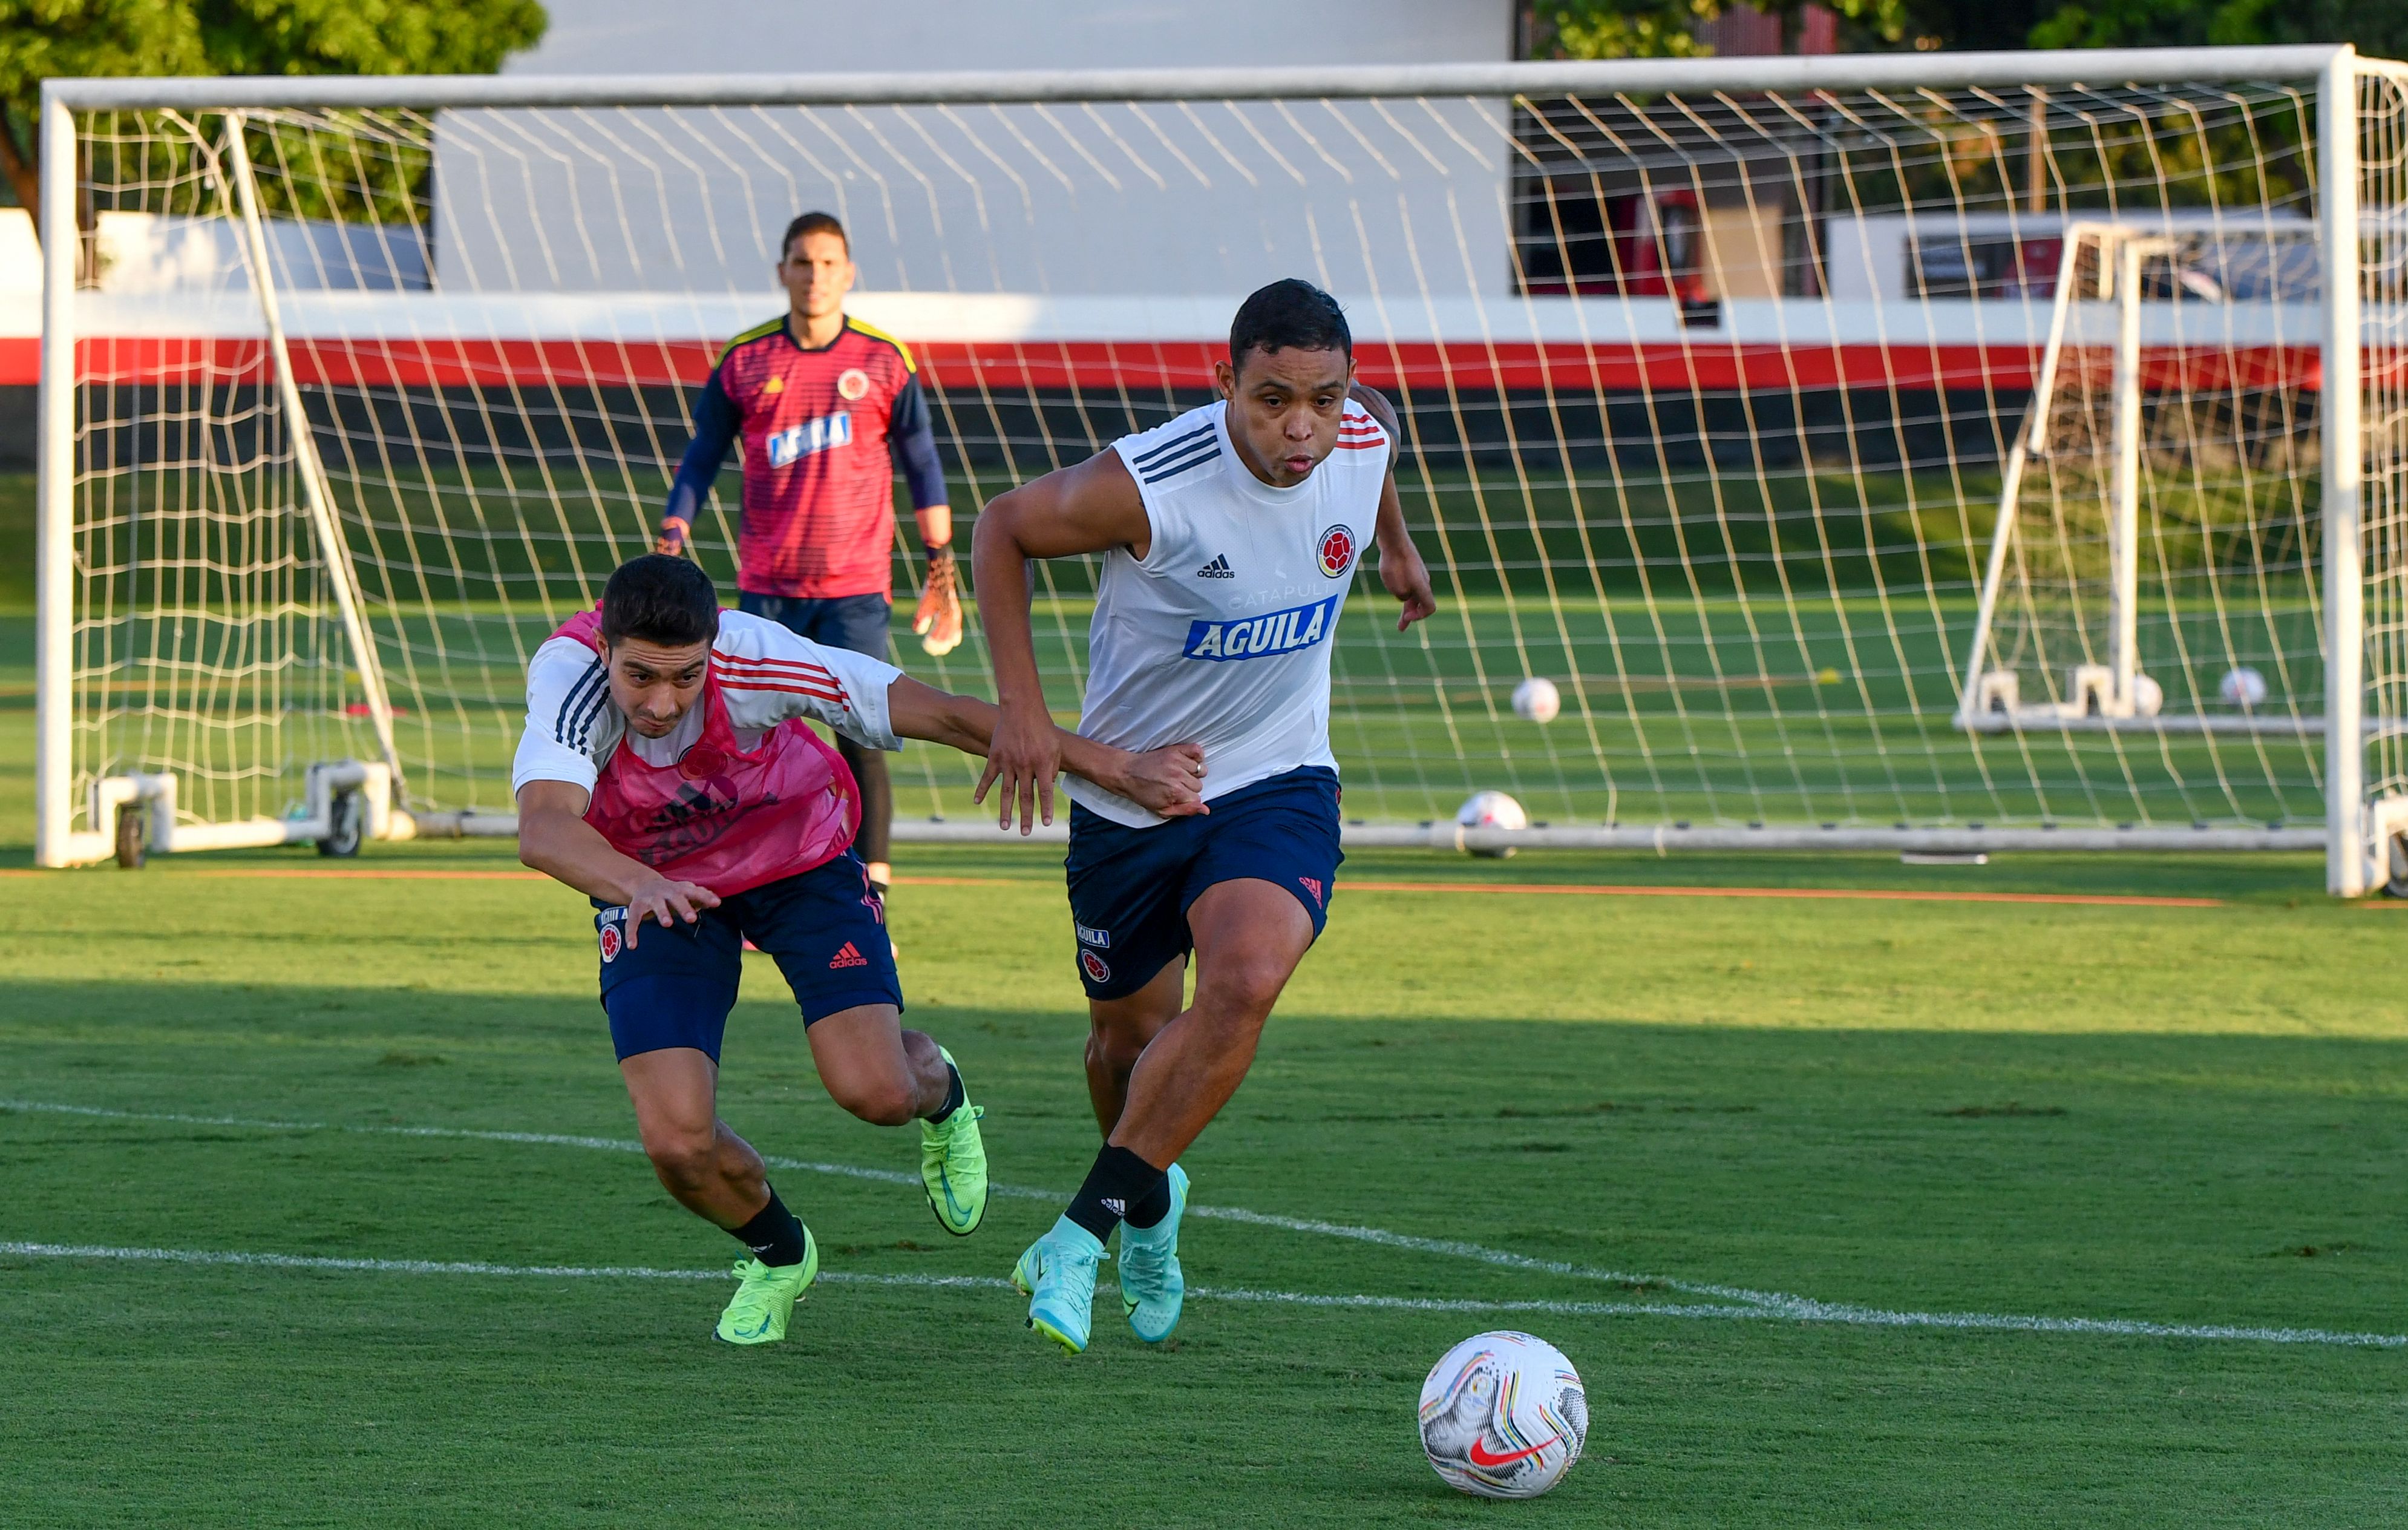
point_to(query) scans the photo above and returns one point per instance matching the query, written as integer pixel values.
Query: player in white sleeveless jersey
(1229, 539)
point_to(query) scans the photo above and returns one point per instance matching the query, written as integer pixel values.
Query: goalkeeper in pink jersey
(828, 409)
(667, 771)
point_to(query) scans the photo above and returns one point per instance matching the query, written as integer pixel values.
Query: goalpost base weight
(323, 818)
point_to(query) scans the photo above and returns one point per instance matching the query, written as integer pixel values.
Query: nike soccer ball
(1537, 700)
(1492, 810)
(2242, 687)
(1503, 1416)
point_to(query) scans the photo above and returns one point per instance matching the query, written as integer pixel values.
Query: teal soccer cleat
(1151, 1288)
(1057, 1274)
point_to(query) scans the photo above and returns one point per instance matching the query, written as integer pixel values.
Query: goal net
(2132, 456)
(1869, 449)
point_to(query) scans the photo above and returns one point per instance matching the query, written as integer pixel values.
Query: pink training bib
(725, 817)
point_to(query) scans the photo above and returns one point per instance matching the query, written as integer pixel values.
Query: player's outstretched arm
(1165, 781)
(1401, 569)
(1086, 509)
(555, 838)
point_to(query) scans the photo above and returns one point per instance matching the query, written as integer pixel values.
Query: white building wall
(814, 36)
(1164, 199)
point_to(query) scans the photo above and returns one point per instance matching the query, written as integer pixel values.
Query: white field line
(891, 1176)
(1739, 1303)
(1803, 1310)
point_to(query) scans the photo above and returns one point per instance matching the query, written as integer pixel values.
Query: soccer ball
(1503, 1416)
(2149, 697)
(1536, 700)
(1492, 810)
(2242, 686)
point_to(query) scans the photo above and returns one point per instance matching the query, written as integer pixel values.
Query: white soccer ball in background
(1537, 700)
(2242, 686)
(1503, 1416)
(2149, 697)
(1492, 810)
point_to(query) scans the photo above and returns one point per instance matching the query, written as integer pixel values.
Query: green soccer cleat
(1151, 1288)
(1057, 1274)
(757, 1313)
(953, 1165)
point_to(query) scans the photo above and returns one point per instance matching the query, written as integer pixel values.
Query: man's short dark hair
(1289, 315)
(813, 222)
(659, 598)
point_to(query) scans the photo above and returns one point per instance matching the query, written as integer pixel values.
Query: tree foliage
(365, 36)
(45, 38)
(1666, 28)
(2376, 27)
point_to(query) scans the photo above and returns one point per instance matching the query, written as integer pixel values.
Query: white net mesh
(2382, 226)
(1708, 399)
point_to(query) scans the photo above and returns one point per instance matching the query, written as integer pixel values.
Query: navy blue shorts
(856, 623)
(676, 984)
(1130, 888)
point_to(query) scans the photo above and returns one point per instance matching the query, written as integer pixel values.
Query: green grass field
(2116, 1115)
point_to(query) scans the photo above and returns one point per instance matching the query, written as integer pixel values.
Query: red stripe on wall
(1013, 368)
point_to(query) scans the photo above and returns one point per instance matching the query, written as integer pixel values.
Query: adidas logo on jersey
(1261, 637)
(849, 956)
(1218, 568)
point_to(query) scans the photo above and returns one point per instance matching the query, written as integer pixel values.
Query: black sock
(1149, 1210)
(953, 1097)
(774, 1235)
(1119, 1180)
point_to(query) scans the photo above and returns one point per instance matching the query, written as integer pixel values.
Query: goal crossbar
(1779, 74)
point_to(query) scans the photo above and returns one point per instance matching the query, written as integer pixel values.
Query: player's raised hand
(667, 901)
(1168, 780)
(939, 620)
(1023, 759)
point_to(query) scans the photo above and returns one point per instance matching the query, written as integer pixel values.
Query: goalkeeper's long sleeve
(911, 437)
(715, 424)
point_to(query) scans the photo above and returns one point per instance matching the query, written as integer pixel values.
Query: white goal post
(1925, 452)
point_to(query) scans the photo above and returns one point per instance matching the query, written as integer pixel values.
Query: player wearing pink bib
(668, 771)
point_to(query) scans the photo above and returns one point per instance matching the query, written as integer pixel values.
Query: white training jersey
(1220, 635)
(767, 674)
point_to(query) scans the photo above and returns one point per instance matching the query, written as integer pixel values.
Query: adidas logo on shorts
(849, 956)
(1218, 568)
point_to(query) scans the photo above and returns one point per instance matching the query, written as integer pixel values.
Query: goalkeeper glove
(939, 620)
